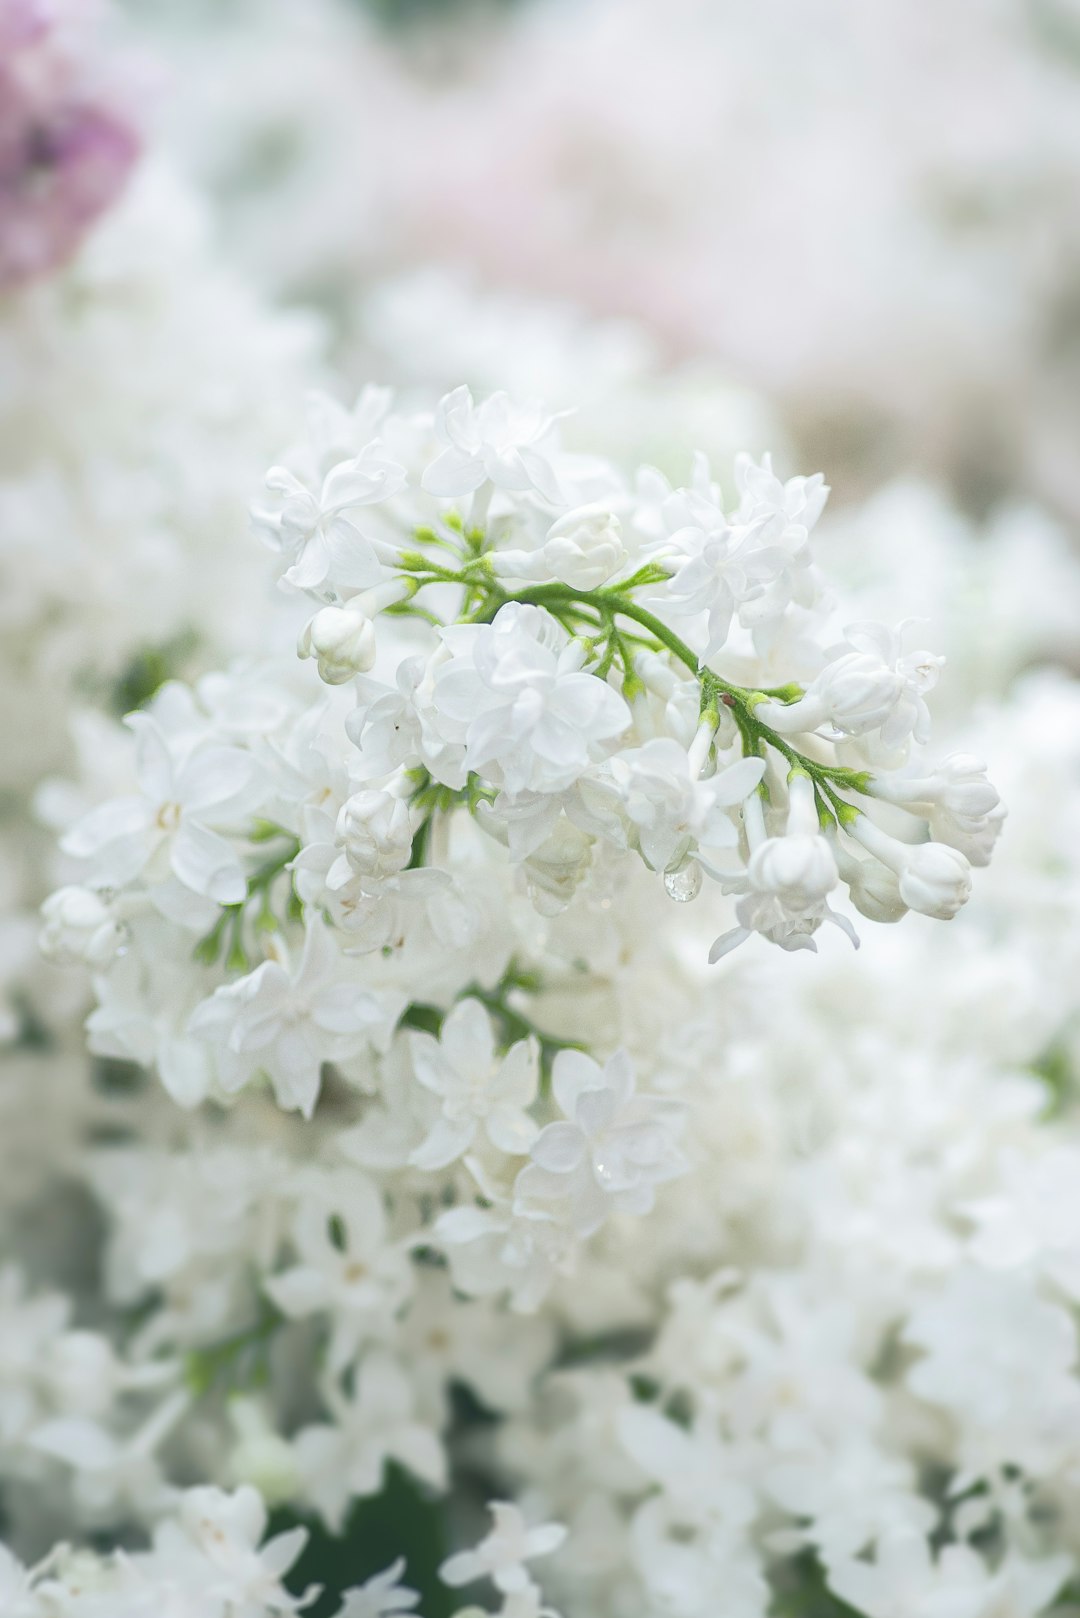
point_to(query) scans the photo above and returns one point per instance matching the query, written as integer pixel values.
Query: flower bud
(376, 833)
(964, 788)
(79, 928)
(800, 870)
(875, 891)
(857, 692)
(935, 880)
(584, 548)
(342, 639)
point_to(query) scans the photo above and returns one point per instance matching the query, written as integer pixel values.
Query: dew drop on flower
(684, 883)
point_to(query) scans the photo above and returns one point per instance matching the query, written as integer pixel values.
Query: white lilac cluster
(573, 671)
(420, 902)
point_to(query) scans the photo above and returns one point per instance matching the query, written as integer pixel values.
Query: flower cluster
(552, 701)
(507, 719)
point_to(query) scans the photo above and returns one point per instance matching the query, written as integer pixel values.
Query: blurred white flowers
(417, 1155)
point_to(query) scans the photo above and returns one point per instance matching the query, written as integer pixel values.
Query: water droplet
(684, 883)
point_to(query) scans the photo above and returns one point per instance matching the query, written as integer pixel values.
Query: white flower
(515, 693)
(788, 879)
(501, 1249)
(788, 511)
(904, 1582)
(798, 868)
(386, 725)
(113, 1475)
(477, 1090)
(961, 806)
(583, 549)
(79, 927)
(1001, 1359)
(288, 1022)
(341, 639)
(311, 528)
(375, 1424)
(693, 1465)
(375, 830)
(750, 563)
(496, 441)
(171, 824)
(610, 1152)
(226, 1531)
(672, 809)
(501, 1557)
(933, 878)
(874, 687)
(379, 1596)
(848, 1493)
(346, 1266)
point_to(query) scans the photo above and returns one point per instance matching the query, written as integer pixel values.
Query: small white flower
(478, 1091)
(226, 1529)
(611, 1151)
(903, 1579)
(501, 1557)
(311, 529)
(289, 1022)
(514, 692)
(375, 830)
(341, 639)
(788, 879)
(932, 878)
(875, 687)
(961, 806)
(672, 809)
(346, 1456)
(171, 823)
(496, 441)
(755, 563)
(380, 1596)
(583, 549)
(79, 927)
(355, 1275)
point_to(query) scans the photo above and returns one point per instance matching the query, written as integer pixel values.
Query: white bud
(968, 813)
(584, 548)
(935, 880)
(800, 870)
(342, 639)
(932, 878)
(873, 888)
(857, 692)
(376, 832)
(79, 928)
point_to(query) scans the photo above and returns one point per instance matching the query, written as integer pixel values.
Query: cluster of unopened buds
(533, 671)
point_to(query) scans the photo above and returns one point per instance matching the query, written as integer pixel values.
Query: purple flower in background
(66, 145)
